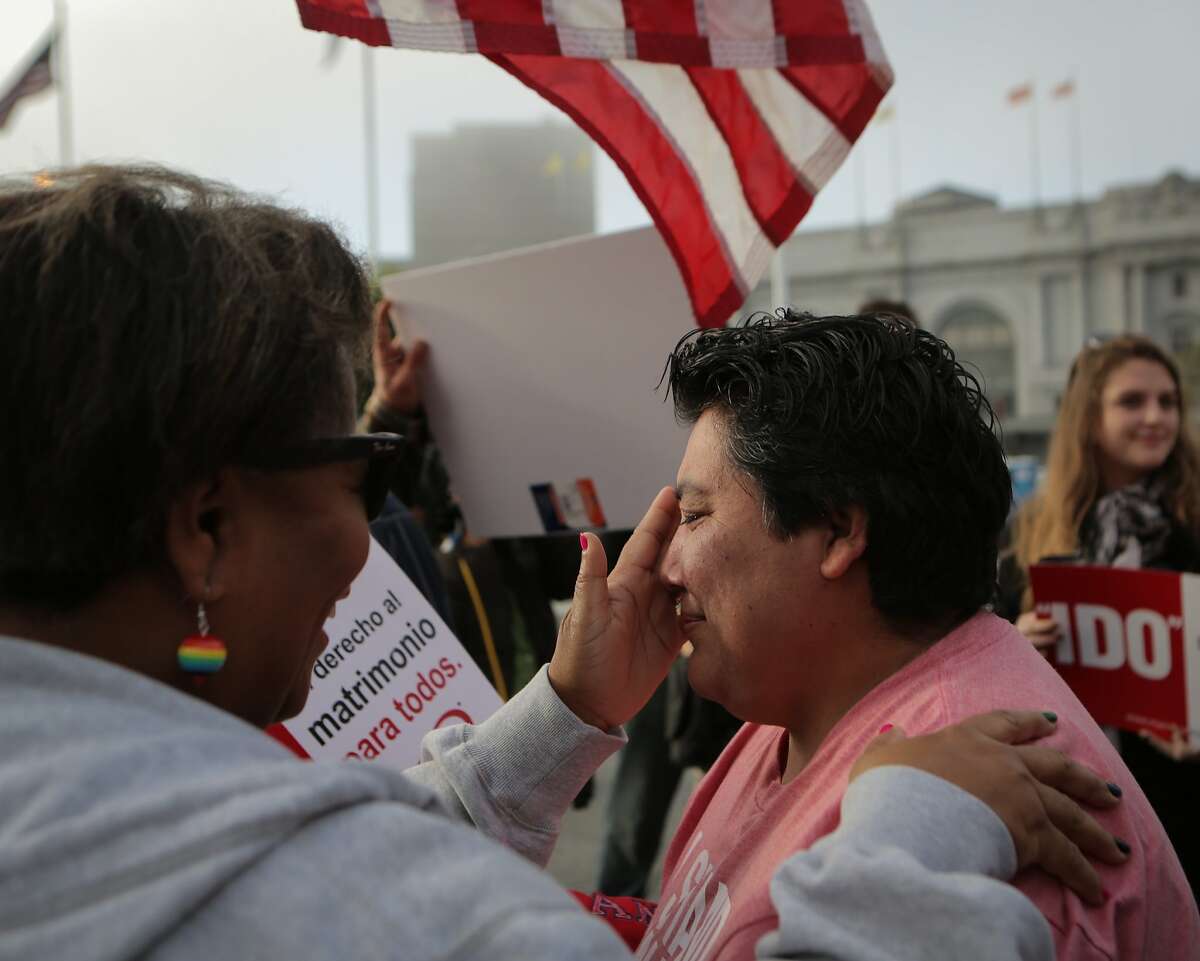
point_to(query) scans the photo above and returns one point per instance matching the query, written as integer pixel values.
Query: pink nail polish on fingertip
(886, 728)
(583, 542)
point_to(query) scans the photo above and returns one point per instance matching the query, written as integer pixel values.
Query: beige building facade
(1017, 292)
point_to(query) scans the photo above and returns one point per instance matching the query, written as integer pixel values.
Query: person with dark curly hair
(840, 500)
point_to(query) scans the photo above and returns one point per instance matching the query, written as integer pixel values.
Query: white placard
(541, 380)
(392, 672)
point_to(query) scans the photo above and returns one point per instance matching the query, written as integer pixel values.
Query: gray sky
(247, 100)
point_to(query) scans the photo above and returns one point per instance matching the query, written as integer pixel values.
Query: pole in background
(1023, 95)
(371, 152)
(894, 141)
(887, 115)
(1062, 91)
(780, 295)
(1035, 157)
(860, 192)
(66, 132)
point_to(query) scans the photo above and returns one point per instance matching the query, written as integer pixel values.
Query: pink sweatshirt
(741, 822)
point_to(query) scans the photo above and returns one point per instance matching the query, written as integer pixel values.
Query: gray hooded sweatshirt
(139, 822)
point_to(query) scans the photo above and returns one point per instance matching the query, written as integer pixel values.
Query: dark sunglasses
(380, 451)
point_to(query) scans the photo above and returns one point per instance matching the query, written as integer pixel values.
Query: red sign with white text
(1129, 645)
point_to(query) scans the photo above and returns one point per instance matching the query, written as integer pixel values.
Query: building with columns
(1017, 292)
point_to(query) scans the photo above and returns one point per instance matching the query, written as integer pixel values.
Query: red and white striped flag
(726, 116)
(35, 78)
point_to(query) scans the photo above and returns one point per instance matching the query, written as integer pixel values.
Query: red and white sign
(392, 672)
(1130, 643)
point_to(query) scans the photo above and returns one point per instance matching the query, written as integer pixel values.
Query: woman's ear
(198, 534)
(846, 541)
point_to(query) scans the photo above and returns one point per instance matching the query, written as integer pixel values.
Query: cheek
(699, 562)
(340, 551)
(354, 543)
(1112, 433)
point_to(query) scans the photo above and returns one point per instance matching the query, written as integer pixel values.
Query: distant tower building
(484, 188)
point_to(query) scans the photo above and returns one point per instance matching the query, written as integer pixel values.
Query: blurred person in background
(1122, 488)
(896, 308)
(182, 505)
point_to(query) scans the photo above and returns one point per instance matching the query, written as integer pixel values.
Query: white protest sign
(540, 386)
(392, 672)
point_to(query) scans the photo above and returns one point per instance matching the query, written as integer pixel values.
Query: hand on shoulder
(1034, 790)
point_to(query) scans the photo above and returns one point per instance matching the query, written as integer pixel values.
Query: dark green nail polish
(1114, 789)
(1050, 716)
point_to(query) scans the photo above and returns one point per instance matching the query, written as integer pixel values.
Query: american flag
(35, 78)
(726, 116)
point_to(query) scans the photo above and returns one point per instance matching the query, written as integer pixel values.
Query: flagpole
(860, 191)
(780, 297)
(371, 151)
(1035, 163)
(66, 138)
(894, 136)
(1076, 142)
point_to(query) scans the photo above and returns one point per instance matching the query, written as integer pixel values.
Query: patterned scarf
(1127, 527)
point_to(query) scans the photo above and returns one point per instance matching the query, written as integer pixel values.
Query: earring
(201, 654)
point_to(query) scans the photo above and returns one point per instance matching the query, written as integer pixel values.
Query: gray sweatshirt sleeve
(916, 870)
(514, 775)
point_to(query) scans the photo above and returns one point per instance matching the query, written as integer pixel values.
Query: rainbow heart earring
(200, 654)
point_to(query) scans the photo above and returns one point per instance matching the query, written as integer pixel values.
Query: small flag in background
(1021, 94)
(35, 78)
(726, 119)
(1064, 89)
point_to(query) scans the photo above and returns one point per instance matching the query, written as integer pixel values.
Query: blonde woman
(1122, 488)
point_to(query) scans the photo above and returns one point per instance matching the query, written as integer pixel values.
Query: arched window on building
(983, 342)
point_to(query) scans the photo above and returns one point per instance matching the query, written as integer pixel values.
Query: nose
(671, 572)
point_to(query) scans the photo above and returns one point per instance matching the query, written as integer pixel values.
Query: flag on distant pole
(725, 119)
(1064, 89)
(37, 76)
(1020, 94)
